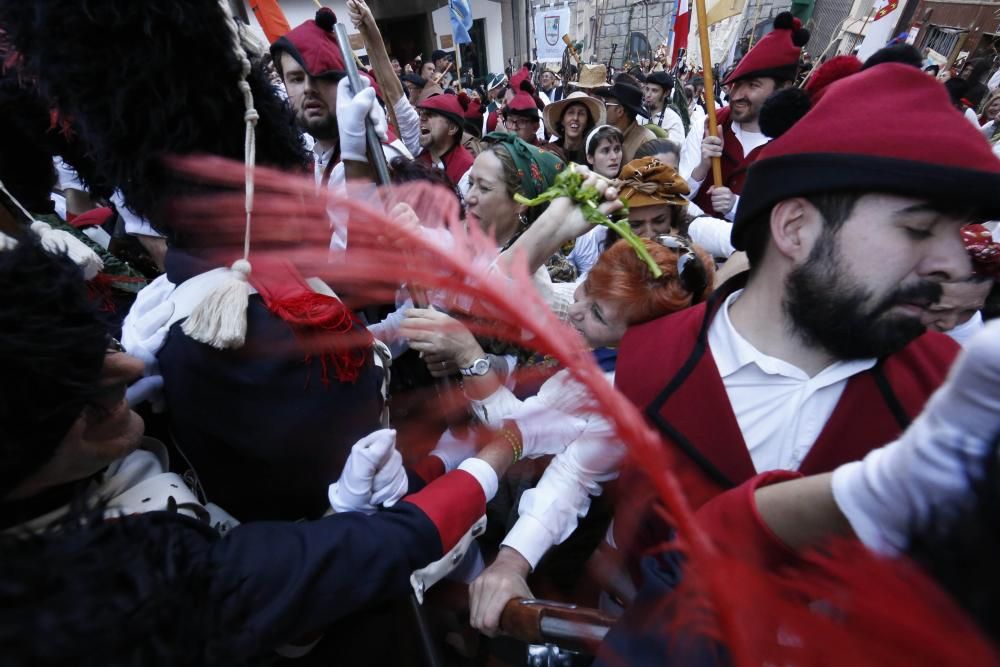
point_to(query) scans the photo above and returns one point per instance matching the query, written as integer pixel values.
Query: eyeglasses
(689, 266)
(516, 121)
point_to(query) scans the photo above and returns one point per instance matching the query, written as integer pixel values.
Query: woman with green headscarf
(508, 166)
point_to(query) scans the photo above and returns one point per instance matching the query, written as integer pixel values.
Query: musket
(572, 50)
(445, 387)
(614, 47)
(375, 154)
(544, 622)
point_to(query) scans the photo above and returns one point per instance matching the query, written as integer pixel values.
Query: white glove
(545, 431)
(145, 327)
(391, 482)
(354, 490)
(925, 474)
(452, 450)
(351, 113)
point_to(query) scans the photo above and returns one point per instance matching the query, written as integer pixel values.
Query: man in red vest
(441, 121)
(769, 66)
(817, 355)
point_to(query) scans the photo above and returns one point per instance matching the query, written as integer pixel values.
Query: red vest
(698, 422)
(457, 161)
(734, 164)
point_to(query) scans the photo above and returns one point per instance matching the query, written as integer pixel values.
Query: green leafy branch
(569, 183)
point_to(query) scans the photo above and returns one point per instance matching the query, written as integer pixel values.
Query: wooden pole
(706, 65)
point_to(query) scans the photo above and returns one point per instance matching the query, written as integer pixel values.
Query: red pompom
(463, 100)
(832, 70)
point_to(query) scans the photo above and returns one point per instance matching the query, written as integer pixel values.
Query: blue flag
(461, 20)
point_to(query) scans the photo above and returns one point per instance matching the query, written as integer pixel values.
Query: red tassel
(311, 314)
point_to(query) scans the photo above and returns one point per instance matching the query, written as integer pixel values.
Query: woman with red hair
(619, 292)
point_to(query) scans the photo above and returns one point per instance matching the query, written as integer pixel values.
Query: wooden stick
(706, 65)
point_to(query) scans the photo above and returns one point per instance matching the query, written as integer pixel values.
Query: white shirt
(587, 250)
(963, 332)
(712, 234)
(671, 124)
(549, 512)
(779, 408)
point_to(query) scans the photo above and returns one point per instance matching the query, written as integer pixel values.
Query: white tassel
(220, 320)
(59, 241)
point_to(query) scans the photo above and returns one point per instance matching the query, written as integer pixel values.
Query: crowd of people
(299, 370)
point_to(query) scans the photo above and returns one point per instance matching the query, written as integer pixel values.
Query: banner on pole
(460, 14)
(550, 26)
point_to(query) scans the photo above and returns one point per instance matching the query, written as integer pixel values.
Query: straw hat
(592, 76)
(554, 111)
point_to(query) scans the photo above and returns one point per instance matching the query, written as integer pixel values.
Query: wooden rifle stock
(572, 50)
(547, 622)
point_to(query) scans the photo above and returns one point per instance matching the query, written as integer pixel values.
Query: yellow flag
(722, 9)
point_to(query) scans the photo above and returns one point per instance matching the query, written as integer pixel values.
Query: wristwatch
(479, 367)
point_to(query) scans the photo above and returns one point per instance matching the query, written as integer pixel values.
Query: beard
(745, 114)
(827, 308)
(323, 128)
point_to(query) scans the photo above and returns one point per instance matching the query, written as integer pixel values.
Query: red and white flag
(682, 25)
(888, 7)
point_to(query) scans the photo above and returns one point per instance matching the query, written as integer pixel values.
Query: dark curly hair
(52, 345)
(141, 80)
(135, 591)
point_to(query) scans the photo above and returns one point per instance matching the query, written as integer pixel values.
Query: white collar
(322, 157)
(732, 352)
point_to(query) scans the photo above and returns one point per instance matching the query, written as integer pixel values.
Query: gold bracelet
(515, 443)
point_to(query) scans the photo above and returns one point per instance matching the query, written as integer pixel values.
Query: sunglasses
(689, 266)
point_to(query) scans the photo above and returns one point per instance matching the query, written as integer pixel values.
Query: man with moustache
(772, 64)
(818, 354)
(441, 122)
(311, 66)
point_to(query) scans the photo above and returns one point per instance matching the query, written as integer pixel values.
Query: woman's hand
(445, 344)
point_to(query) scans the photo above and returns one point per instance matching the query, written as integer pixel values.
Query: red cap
(447, 106)
(519, 76)
(983, 250)
(313, 46)
(523, 104)
(777, 52)
(869, 133)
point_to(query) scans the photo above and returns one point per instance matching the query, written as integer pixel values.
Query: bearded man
(818, 354)
(769, 66)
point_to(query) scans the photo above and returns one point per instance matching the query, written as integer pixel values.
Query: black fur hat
(140, 80)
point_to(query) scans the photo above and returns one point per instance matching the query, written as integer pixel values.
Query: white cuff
(530, 538)
(694, 186)
(731, 216)
(484, 474)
